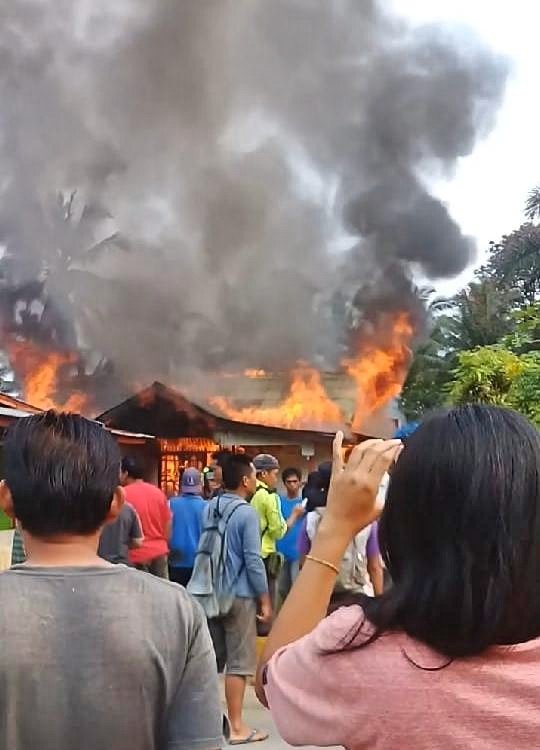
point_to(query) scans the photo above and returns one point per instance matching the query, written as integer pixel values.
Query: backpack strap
(226, 518)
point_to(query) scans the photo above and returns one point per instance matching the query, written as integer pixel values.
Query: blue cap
(191, 482)
(405, 430)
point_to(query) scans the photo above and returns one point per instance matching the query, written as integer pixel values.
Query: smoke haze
(227, 148)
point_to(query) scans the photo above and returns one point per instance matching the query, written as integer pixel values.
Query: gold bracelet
(325, 563)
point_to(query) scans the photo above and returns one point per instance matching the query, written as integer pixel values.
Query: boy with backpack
(229, 581)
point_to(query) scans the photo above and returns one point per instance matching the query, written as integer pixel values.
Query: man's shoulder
(161, 599)
(233, 508)
(260, 495)
(140, 489)
(158, 587)
(128, 511)
(161, 595)
(154, 490)
(246, 517)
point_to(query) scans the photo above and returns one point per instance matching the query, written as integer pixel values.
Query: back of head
(62, 471)
(324, 473)
(316, 489)
(133, 467)
(311, 481)
(265, 462)
(220, 458)
(460, 532)
(191, 482)
(237, 466)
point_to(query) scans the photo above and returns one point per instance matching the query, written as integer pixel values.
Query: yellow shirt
(273, 525)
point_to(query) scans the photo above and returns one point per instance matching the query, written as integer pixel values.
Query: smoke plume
(218, 184)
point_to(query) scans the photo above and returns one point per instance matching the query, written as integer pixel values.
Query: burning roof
(13, 408)
(168, 413)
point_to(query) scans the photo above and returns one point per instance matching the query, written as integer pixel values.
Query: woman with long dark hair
(449, 657)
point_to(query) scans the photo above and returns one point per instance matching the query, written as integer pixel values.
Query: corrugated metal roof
(6, 411)
(15, 403)
(125, 433)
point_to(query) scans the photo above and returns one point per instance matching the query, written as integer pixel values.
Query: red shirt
(153, 509)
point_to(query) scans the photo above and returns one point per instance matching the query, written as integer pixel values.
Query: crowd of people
(267, 536)
(102, 648)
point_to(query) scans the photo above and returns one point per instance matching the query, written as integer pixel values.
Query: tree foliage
(485, 375)
(525, 333)
(514, 265)
(485, 341)
(525, 391)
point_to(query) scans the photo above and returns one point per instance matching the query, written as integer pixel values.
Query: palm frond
(532, 205)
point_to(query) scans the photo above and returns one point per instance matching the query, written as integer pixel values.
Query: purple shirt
(372, 546)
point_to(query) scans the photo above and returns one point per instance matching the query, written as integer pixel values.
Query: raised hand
(351, 503)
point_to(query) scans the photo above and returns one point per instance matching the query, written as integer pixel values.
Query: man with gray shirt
(93, 655)
(234, 634)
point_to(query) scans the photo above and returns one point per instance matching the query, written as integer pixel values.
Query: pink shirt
(375, 698)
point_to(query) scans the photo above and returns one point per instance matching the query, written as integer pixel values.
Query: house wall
(292, 455)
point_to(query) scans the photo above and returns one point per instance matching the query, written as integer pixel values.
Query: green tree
(485, 375)
(514, 262)
(479, 316)
(532, 205)
(514, 265)
(475, 317)
(429, 375)
(524, 395)
(525, 335)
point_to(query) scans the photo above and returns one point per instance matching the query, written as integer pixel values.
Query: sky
(488, 191)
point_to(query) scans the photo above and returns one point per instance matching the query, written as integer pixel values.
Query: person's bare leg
(235, 689)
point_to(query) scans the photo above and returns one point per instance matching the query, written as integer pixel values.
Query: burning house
(282, 218)
(298, 428)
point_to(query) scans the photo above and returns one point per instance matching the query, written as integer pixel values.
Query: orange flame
(307, 405)
(379, 372)
(39, 372)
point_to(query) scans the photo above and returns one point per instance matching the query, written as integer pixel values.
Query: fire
(377, 375)
(39, 372)
(379, 372)
(306, 406)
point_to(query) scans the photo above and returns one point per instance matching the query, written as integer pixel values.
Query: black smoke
(179, 175)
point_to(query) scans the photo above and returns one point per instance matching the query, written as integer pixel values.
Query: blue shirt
(187, 514)
(288, 546)
(244, 562)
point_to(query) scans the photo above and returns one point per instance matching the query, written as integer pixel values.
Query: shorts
(234, 637)
(157, 567)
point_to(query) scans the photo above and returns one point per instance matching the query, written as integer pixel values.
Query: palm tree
(70, 245)
(532, 205)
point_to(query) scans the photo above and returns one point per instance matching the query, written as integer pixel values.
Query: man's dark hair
(237, 466)
(62, 470)
(133, 467)
(460, 533)
(222, 456)
(290, 473)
